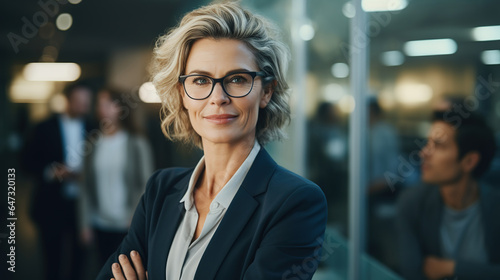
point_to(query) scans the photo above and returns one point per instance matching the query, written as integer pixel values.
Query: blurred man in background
(450, 227)
(53, 155)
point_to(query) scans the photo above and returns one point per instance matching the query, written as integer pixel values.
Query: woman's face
(221, 118)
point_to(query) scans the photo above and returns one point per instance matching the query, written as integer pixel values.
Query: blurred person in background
(237, 214)
(383, 156)
(328, 161)
(450, 227)
(384, 150)
(53, 154)
(115, 175)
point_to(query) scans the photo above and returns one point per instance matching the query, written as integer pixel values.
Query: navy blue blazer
(418, 223)
(273, 228)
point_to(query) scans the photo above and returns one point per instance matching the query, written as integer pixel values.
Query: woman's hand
(125, 270)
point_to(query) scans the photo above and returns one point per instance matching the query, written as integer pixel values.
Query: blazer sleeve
(136, 239)
(410, 252)
(291, 246)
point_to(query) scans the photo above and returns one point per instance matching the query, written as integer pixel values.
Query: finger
(139, 268)
(117, 272)
(127, 268)
(147, 277)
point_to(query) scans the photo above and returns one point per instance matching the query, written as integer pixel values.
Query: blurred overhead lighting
(74, 2)
(64, 21)
(148, 94)
(491, 57)
(63, 72)
(386, 99)
(57, 103)
(347, 104)
(333, 93)
(348, 10)
(340, 70)
(413, 94)
(306, 32)
(486, 33)
(392, 58)
(383, 5)
(22, 91)
(430, 47)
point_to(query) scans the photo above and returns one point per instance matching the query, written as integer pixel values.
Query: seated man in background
(450, 227)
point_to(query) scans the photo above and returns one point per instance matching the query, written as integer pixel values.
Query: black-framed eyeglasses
(236, 84)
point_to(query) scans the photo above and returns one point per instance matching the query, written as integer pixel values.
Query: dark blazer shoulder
(289, 190)
(286, 181)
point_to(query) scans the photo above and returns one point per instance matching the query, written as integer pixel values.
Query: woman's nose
(218, 96)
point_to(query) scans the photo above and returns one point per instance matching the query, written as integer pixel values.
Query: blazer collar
(237, 216)
(259, 174)
(169, 218)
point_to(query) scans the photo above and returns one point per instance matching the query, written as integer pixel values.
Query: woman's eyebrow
(202, 72)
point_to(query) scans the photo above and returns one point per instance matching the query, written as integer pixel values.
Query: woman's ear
(268, 93)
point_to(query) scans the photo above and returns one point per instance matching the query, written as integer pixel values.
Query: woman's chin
(222, 138)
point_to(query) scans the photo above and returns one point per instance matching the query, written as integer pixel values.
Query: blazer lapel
(170, 216)
(237, 216)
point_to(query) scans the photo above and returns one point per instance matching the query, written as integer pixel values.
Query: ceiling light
(347, 104)
(43, 71)
(383, 5)
(491, 57)
(340, 70)
(392, 58)
(486, 33)
(430, 47)
(64, 21)
(349, 10)
(333, 93)
(306, 32)
(22, 91)
(413, 93)
(148, 94)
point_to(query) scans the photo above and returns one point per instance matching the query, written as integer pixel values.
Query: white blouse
(184, 256)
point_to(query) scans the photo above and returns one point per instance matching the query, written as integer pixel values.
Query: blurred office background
(110, 43)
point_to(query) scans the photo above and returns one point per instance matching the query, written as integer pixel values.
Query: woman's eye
(201, 81)
(237, 80)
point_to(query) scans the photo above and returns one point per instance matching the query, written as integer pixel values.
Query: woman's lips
(220, 119)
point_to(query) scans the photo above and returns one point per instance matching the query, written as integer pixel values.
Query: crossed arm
(129, 269)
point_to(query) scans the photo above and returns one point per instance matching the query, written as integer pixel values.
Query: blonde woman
(237, 214)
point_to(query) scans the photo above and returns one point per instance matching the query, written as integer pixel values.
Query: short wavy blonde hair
(220, 21)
